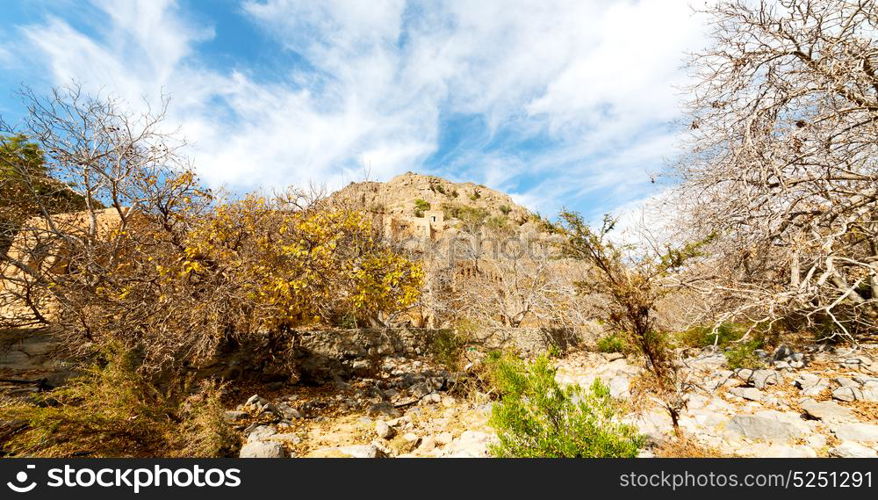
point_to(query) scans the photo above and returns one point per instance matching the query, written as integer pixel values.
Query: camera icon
(21, 478)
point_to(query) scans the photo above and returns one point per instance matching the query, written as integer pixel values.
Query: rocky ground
(409, 408)
(810, 403)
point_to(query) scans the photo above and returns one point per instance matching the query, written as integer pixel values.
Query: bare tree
(784, 162)
(490, 274)
(118, 167)
(632, 282)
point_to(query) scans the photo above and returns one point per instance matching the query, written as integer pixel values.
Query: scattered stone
(262, 449)
(816, 441)
(762, 450)
(613, 356)
(850, 449)
(255, 400)
(431, 398)
(811, 385)
(744, 374)
(411, 438)
(233, 416)
(619, 387)
(420, 390)
(749, 393)
(827, 411)
(856, 432)
(444, 438)
(768, 425)
(470, 444)
(286, 437)
(870, 393)
(428, 444)
(352, 451)
(762, 378)
(383, 409)
(288, 412)
(383, 430)
(782, 352)
(845, 382)
(261, 433)
(847, 394)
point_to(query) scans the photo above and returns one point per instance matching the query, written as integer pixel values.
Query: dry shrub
(684, 447)
(159, 265)
(112, 411)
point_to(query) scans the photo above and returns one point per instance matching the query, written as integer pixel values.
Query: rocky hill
(421, 205)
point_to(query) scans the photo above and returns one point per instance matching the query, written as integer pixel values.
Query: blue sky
(569, 103)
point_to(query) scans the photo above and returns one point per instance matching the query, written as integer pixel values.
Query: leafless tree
(784, 162)
(120, 167)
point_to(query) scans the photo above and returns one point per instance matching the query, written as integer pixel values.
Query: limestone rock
(383, 430)
(749, 393)
(261, 433)
(444, 438)
(811, 384)
(856, 432)
(827, 411)
(850, 449)
(233, 416)
(262, 449)
(847, 394)
(762, 378)
(768, 425)
(470, 444)
(352, 451)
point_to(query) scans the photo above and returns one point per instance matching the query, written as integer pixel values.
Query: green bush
(537, 418)
(420, 207)
(505, 209)
(743, 355)
(703, 336)
(447, 347)
(611, 343)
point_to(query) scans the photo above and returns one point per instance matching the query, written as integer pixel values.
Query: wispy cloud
(378, 81)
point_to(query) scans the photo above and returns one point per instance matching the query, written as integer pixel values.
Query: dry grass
(112, 411)
(684, 447)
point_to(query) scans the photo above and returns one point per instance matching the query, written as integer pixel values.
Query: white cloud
(591, 76)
